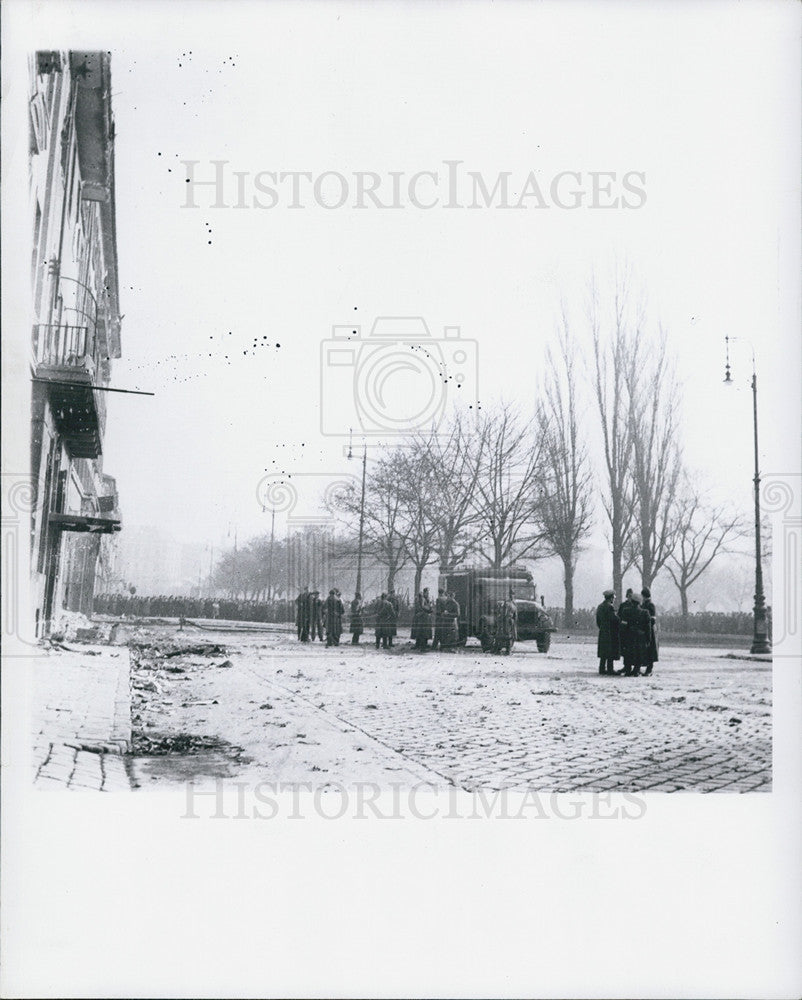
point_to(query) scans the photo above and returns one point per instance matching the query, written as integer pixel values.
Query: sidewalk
(81, 718)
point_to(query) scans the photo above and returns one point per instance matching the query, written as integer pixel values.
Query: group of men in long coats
(629, 634)
(438, 621)
(386, 620)
(313, 616)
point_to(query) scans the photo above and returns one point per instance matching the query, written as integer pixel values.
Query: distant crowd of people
(436, 621)
(172, 606)
(629, 634)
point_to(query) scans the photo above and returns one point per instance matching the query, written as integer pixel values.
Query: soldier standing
(357, 621)
(641, 626)
(440, 637)
(651, 657)
(315, 616)
(451, 612)
(394, 602)
(506, 616)
(334, 618)
(422, 620)
(302, 615)
(384, 622)
(607, 648)
(626, 613)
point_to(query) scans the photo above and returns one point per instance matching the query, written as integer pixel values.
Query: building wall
(74, 287)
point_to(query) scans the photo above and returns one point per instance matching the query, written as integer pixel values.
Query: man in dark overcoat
(333, 612)
(648, 605)
(422, 620)
(315, 616)
(626, 615)
(302, 615)
(641, 627)
(440, 620)
(451, 628)
(357, 619)
(385, 618)
(392, 597)
(607, 648)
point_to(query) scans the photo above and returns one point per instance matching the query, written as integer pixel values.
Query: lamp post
(760, 638)
(361, 511)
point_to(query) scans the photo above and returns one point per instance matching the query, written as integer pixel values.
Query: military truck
(479, 590)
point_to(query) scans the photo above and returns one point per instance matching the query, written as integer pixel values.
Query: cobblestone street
(702, 722)
(81, 719)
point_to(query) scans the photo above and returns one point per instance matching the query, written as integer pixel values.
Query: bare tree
(451, 462)
(270, 565)
(655, 462)
(611, 359)
(419, 500)
(703, 532)
(507, 495)
(566, 511)
(384, 524)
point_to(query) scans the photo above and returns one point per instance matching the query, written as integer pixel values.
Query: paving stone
(78, 699)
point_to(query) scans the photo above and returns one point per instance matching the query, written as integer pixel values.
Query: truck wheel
(543, 642)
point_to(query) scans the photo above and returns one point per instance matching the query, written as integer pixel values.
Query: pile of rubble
(157, 664)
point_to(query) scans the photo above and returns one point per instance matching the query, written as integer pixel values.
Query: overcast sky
(702, 99)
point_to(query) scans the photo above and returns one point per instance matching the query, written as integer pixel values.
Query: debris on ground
(169, 649)
(160, 744)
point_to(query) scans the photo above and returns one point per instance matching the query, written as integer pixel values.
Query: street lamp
(361, 510)
(760, 639)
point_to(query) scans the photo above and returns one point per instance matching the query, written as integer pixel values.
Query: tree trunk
(569, 593)
(418, 577)
(683, 598)
(618, 575)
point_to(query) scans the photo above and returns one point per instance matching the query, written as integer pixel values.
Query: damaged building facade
(75, 326)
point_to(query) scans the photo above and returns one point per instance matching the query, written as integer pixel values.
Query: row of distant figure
(629, 634)
(322, 618)
(176, 606)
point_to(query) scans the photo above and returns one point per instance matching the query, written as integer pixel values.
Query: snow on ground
(270, 709)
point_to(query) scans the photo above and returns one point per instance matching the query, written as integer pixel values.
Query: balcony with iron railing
(64, 351)
(66, 361)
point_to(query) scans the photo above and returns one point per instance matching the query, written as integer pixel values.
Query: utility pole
(361, 510)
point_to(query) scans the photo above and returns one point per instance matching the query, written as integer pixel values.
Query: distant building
(155, 563)
(75, 324)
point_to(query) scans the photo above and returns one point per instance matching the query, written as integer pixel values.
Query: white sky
(702, 98)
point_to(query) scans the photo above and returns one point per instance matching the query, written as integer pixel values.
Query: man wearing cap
(625, 634)
(357, 621)
(651, 654)
(628, 617)
(607, 648)
(315, 616)
(440, 620)
(385, 615)
(333, 611)
(302, 615)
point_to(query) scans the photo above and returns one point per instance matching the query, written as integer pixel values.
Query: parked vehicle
(480, 591)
